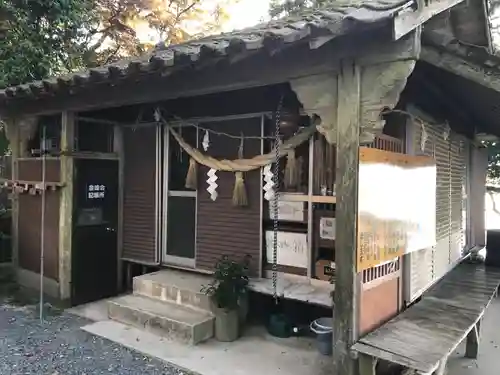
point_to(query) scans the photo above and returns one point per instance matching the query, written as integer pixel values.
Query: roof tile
(339, 18)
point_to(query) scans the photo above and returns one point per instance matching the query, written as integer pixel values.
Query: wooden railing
(387, 143)
(381, 270)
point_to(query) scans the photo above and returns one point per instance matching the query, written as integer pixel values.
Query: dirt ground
(488, 362)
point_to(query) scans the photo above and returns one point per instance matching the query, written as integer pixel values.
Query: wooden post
(472, 341)
(346, 283)
(66, 204)
(367, 365)
(441, 370)
(12, 133)
(118, 148)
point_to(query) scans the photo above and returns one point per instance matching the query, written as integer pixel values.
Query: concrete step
(163, 318)
(181, 288)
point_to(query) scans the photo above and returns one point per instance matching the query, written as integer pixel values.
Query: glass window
(178, 159)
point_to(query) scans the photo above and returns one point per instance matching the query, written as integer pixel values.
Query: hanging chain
(277, 139)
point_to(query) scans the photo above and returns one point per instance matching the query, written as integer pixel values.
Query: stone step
(163, 318)
(181, 288)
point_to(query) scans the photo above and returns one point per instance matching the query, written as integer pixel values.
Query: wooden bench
(423, 336)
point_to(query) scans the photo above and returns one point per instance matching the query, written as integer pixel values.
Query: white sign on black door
(96, 191)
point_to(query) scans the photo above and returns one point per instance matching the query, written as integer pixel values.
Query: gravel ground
(60, 347)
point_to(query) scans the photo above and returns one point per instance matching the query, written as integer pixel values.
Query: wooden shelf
(323, 199)
(305, 198)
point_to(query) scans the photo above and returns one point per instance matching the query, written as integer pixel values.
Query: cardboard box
(325, 269)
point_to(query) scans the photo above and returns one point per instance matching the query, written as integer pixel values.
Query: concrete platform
(488, 362)
(289, 288)
(183, 287)
(96, 311)
(255, 353)
(163, 318)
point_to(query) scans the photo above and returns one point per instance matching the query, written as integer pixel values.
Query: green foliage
(280, 8)
(493, 161)
(229, 284)
(39, 37)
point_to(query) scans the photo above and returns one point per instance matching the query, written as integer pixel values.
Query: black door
(95, 256)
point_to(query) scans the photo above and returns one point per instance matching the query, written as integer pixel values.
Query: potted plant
(228, 292)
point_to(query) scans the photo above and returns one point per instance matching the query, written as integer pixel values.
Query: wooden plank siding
(223, 229)
(30, 207)
(139, 201)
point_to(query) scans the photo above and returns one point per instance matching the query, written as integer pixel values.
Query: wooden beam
(489, 78)
(93, 155)
(346, 284)
(66, 205)
(409, 19)
(459, 119)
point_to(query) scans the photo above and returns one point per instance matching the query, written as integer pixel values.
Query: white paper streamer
(206, 141)
(212, 184)
(269, 183)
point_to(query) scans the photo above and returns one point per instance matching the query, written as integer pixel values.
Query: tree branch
(112, 55)
(187, 9)
(99, 43)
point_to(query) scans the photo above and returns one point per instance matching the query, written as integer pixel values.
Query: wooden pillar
(472, 341)
(66, 204)
(479, 166)
(345, 321)
(118, 148)
(12, 134)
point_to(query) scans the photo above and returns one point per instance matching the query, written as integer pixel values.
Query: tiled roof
(338, 19)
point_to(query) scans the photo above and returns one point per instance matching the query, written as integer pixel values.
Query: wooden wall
(379, 303)
(30, 210)
(223, 229)
(139, 205)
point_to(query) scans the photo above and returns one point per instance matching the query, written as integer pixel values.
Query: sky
(243, 13)
(247, 13)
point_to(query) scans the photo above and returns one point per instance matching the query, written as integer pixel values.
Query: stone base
(181, 288)
(163, 318)
(31, 280)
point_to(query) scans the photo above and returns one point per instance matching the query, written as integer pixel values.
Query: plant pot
(227, 325)
(243, 306)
